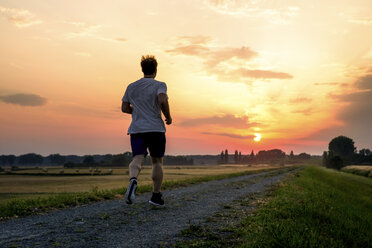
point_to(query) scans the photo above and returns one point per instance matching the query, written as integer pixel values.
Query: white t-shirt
(143, 96)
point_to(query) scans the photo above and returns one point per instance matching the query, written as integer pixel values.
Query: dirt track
(116, 224)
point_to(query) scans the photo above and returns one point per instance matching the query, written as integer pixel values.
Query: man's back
(143, 96)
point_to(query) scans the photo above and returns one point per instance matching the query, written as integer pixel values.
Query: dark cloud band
(24, 99)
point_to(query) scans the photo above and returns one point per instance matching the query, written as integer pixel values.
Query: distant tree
(57, 158)
(342, 146)
(325, 159)
(240, 158)
(88, 160)
(252, 154)
(364, 152)
(304, 156)
(226, 156)
(69, 164)
(291, 155)
(236, 156)
(273, 154)
(121, 159)
(1, 169)
(7, 159)
(222, 158)
(31, 159)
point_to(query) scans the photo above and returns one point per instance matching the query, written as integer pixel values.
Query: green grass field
(316, 208)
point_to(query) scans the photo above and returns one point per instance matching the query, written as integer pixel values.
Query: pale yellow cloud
(256, 9)
(91, 31)
(21, 18)
(364, 21)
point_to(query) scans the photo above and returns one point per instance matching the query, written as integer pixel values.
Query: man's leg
(156, 143)
(134, 169)
(157, 173)
(136, 165)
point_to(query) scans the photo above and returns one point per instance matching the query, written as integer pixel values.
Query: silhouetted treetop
(342, 146)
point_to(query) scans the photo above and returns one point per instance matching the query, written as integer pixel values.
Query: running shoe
(131, 191)
(157, 200)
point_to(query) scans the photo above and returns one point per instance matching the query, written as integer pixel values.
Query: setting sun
(257, 137)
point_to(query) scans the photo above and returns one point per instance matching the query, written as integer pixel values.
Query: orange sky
(298, 73)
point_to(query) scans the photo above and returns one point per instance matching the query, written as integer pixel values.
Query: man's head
(149, 65)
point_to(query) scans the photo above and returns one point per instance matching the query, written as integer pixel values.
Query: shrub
(336, 162)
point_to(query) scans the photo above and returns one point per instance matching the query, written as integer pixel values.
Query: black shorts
(153, 141)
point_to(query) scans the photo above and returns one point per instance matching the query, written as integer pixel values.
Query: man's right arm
(126, 108)
(164, 105)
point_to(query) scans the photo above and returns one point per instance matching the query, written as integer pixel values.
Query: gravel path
(116, 224)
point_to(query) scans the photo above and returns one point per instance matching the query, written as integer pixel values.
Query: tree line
(69, 161)
(269, 156)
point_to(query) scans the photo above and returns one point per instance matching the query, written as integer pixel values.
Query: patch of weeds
(81, 230)
(14, 245)
(105, 216)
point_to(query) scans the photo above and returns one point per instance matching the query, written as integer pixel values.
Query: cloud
(24, 99)
(227, 63)
(89, 30)
(355, 115)
(227, 120)
(364, 82)
(234, 136)
(197, 39)
(84, 29)
(326, 84)
(265, 74)
(22, 18)
(300, 100)
(121, 39)
(364, 21)
(254, 9)
(307, 111)
(225, 54)
(193, 49)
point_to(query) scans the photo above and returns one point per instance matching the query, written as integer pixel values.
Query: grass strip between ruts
(317, 208)
(24, 207)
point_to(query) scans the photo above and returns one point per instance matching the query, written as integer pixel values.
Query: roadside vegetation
(361, 170)
(24, 206)
(317, 207)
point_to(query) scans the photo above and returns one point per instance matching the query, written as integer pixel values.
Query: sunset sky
(297, 73)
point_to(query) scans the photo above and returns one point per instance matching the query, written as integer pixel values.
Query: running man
(145, 99)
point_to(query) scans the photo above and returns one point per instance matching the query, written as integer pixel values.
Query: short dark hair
(148, 64)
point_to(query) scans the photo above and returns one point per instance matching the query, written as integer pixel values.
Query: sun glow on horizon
(257, 137)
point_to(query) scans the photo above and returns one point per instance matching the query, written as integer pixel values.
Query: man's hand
(168, 121)
(126, 108)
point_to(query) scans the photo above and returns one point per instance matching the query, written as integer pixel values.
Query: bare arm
(164, 105)
(126, 108)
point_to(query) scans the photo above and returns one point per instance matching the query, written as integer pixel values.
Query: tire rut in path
(116, 224)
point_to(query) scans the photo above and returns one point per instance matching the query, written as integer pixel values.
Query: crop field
(361, 170)
(35, 182)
